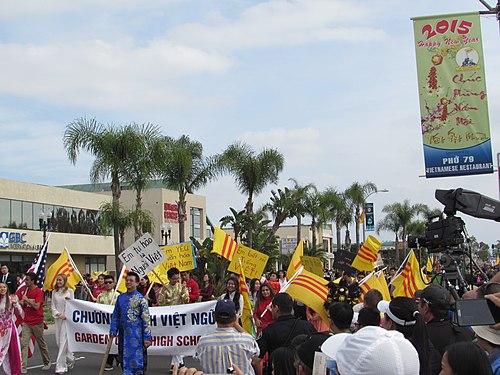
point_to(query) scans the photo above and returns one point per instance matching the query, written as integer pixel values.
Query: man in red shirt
(191, 285)
(31, 299)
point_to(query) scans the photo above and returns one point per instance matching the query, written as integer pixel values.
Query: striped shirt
(218, 350)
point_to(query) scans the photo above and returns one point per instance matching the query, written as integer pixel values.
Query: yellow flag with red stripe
(295, 262)
(410, 279)
(367, 255)
(63, 265)
(223, 244)
(246, 317)
(122, 287)
(311, 290)
(362, 217)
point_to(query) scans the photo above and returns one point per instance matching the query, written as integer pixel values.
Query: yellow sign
(313, 264)
(252, 260)
(95, 274)
(179, 255)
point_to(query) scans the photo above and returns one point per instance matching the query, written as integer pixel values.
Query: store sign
(7, 238)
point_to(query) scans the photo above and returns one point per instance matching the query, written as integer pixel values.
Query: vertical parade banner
(369, 217)
(452, 90)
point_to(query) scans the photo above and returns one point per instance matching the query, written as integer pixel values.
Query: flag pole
(285, 287)
(400, 267)
(84, 282)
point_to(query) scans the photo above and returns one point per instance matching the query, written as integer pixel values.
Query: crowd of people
(364, 334)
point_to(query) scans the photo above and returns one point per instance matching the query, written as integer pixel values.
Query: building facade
(70, 217)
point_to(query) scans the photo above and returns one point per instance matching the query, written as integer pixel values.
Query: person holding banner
(10, 350)
(131, 322)
(109, 297)
(61, 294)
(174, 293)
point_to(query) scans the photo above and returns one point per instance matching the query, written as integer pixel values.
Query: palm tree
(281, 207)
(252, 173)
(110, 147)
(184, 169)
(338, 207)
(141, 168)
(403, 214)
(314, 209)
(237, 222)
(357, 194)
(299, 195)
(391, 223)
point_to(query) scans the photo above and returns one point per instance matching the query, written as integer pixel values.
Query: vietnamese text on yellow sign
(252, 260)
(179, 255)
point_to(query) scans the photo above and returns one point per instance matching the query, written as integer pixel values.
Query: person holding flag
(31, 299)
(262, 313)
(60, 295)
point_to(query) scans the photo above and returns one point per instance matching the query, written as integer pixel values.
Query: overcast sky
(331, 84)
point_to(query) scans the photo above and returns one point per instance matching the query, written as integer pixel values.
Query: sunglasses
(108, 282)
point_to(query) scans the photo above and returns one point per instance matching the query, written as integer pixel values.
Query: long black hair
(236, 298)
(406, 309)
(468, 358)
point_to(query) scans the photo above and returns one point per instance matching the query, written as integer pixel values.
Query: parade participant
(31, 299)
(233, 294)
(174, 293)
(372, 351)
(99, 286)
(434, 303)
(8, 279)
(253, 289)
(367, 317)
(282, 278)
(341, 315)
(315, 319)
(401, 314)
(265, 297)
(61, 294)
(273, 281)
(228, 345)
(207, 290)
(489, 339)
(144, 285)
(191, 285)
(283, 330)
(10, 354)
(306, 352)
(131, 322)
(465, 358)
(109, 297)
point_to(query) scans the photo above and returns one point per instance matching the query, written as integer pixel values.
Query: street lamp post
(44, 223)
(364, 221)
(166, 234)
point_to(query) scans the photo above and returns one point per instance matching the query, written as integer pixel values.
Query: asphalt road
(90, 363)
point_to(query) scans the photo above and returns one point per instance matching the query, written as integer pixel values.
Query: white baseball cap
(373, 351)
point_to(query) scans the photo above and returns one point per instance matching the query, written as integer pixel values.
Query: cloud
(101, 75)
(282, 23)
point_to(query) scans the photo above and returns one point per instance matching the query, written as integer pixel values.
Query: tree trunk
(356, 218)
(299, 227)
(181, 212)
(138, 207)
(347, 239)
(313, 228)
(116, 191)
(338, 227)
(249, 209)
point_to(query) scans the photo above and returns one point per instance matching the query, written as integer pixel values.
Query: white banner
(174, 329)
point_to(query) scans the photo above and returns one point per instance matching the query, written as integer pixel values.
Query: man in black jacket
(284, 329)
(434, 304)
(8, 278)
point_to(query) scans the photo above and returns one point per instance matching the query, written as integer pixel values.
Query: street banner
(370, 217)
(253, 262)
(142, 256)
(452, 90)
(175, 330)
(313, 264)
(343, 261)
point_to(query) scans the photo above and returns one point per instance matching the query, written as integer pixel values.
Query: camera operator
(434, 302)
